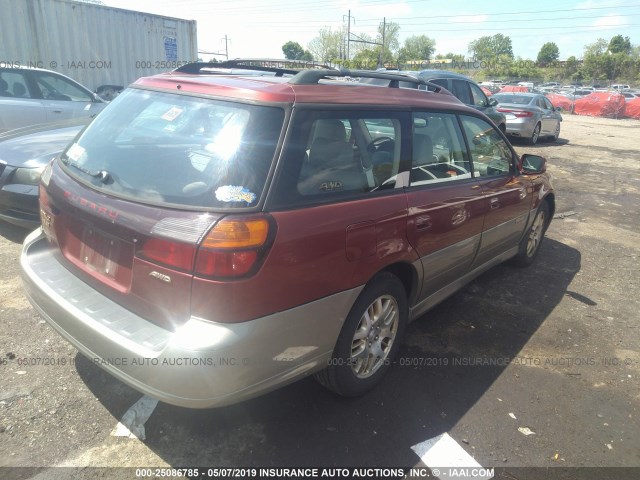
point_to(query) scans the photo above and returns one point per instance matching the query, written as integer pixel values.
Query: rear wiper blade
(102, 175)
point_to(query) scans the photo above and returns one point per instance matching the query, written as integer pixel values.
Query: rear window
(514, 99)
(164, 148)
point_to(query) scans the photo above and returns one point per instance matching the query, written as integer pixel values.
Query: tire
(530, 243)
(362, 354)
(535, 135)
(556, 134)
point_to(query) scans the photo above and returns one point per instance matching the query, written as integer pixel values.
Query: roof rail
(278, 67)
(311, 77)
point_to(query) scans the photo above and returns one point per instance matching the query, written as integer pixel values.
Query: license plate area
(100, 252)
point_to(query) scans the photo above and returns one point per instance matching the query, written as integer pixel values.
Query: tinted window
(166, 148)
(490, 154)
(438, 149)
(479, 98)
(512, 98)
(460, 88)
(340, 154)
(53, 87)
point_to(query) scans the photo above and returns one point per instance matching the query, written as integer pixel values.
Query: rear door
(507, 195)
(446, 204)
(338, 202)
(19, 107)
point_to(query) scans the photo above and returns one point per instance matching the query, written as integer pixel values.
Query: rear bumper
(520, 128)
(201, 364)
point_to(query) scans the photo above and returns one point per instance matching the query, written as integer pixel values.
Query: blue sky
(259, 28)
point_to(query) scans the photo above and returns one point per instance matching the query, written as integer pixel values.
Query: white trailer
(93, 44)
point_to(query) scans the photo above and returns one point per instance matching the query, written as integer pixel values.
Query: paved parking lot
(524, 368)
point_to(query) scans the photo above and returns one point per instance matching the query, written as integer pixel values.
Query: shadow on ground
(13, 233)
(303, 424)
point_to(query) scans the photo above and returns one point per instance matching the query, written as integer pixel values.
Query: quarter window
(350, 154)
(490, 154)
(336, 155)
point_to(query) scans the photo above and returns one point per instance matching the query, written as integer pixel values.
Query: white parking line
(443, 452)
(132, 423)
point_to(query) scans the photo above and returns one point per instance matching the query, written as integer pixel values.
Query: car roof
(521, 94)
(280, 89)
(426, 74)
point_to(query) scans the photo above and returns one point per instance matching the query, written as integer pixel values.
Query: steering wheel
(385, 144)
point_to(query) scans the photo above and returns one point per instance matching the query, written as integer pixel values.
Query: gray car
(24, 153)
(463, 88)
(31, 96)
(467, 91)
(529, 116)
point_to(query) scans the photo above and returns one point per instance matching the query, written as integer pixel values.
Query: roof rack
(303, 73)
(312, 77)
(278, 67)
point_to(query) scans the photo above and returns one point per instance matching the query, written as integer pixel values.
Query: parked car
(467, 91)
(209, 238)
(630, 95)
(24, 153)
(529, 116)
(30, 96)
(463, 88)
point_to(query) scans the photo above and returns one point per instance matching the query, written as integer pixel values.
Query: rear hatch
(131, 202)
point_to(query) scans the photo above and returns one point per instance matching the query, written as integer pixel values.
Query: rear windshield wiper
(102, 175)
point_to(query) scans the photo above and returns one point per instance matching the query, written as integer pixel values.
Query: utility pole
(349, 35)
(226, 47)
(384, 30)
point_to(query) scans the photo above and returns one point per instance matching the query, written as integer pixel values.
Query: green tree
(620, 44)
(366, 59)
(326, 47)
(417, 47)
(387, 53)
(549, 53)
(597, 63)
(293, 51)
(490, 47)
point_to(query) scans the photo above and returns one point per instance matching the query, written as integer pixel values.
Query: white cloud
(609, 21)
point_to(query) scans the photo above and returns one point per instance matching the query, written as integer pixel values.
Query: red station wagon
(211, 237)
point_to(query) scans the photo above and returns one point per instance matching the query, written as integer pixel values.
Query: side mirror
(532, 164)
(493, 102)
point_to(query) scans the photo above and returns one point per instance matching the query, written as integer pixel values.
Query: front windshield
(177, 149)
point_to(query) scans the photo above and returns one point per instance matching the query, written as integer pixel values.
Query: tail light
(169, 253)
(233, 247)
(517, 113)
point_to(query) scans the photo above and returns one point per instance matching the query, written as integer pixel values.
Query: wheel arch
(408, 276)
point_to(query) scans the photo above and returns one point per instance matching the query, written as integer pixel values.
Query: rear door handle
(495, 203)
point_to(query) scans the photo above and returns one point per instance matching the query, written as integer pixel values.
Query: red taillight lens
(168, 252)
(517, 113)
(225, 264)
(233, 247)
